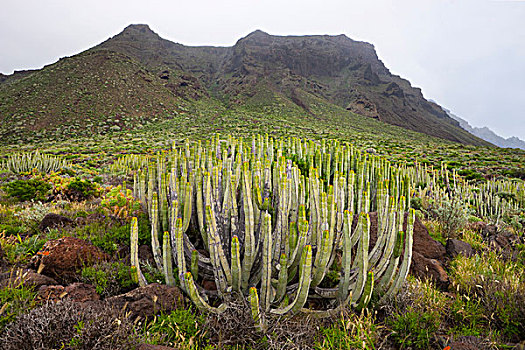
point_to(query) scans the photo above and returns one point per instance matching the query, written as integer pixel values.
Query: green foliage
(472, 175)
(352, 331)
(81, 189)
(25, 190)
(414, 329)
(109, 278)
(452, 216)
(182, 328)
(19, 250)
(15, 300)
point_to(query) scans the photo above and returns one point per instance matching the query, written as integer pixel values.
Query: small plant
(108, 278)
(25, 190)
(15, 299)
(81, 189)
(352, 331)
(179, 328)
(19, 250)
(414, 329)
(452, 216)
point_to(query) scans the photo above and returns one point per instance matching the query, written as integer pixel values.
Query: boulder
(62, 258)
(53, 221)
(154, 347)
(455, 247)
(429, 269)
(79, 292)
(149, 300)
(28, 277)
(426, 245)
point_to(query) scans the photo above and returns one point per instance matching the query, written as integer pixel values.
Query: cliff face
(301, 71)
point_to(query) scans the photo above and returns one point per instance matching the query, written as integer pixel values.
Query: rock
(53, 221)
(28, 277)
(63, 258)
(149, 300)
(430, 269)
(455, 247)
(426, 245)
(82, 292)
(79, 292)
(469, 343)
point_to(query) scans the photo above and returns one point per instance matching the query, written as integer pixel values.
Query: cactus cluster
(27, 162)
(270, 219)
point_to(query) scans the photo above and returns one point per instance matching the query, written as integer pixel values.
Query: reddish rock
(28, 277)
(82, 292)
(63, 258)
(431, 269)
(455, 247)
(426, 245)
(79, 292)
(149, 300)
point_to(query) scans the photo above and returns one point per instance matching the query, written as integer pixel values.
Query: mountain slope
(337, 69)
(137, 77)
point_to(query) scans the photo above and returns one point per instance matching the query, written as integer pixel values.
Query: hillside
(136, 78)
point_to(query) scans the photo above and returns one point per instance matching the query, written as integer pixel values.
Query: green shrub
(452, 216)
(179, 328)
(109, 278)
(351, 332)
(15, 300)
(415, 329)
(80, 189)
(25, 190)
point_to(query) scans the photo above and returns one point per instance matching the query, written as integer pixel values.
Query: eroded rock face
(149, 300)
(62, 258)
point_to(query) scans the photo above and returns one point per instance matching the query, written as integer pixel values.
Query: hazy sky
(468, 55)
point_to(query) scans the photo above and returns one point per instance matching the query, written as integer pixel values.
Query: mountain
(139, 77)
(487, 134)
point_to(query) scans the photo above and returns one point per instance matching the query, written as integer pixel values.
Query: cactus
(272, 233)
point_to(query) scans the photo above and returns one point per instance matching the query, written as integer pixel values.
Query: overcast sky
(468, 55)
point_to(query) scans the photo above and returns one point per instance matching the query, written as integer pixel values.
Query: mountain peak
(144, 28)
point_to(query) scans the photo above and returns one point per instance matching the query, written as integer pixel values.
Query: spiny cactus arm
(383, 263)
(134, 259)
(344, 281)
(194, 267)
(254, 306)
(249, 238)
(283, 279)
(367, 292)
(167, 260)
(236, 264)
(155, 246)
(362, 257)
(200, 207)
(266, 287)
(188, 200)
(197, 299)
(324, 250)
(305, 271)
(215, 249)
(303, 228)
(179, 246)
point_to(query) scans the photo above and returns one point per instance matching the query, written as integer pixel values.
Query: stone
(53, 220)
(429, 269)
(64, 257)
(426, 245)
(28, 277)
(455, 247)
(78, 292)
(149, 300)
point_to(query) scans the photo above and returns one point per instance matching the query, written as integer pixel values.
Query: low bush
(109, 278)
(70, 325)
(25, 190)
